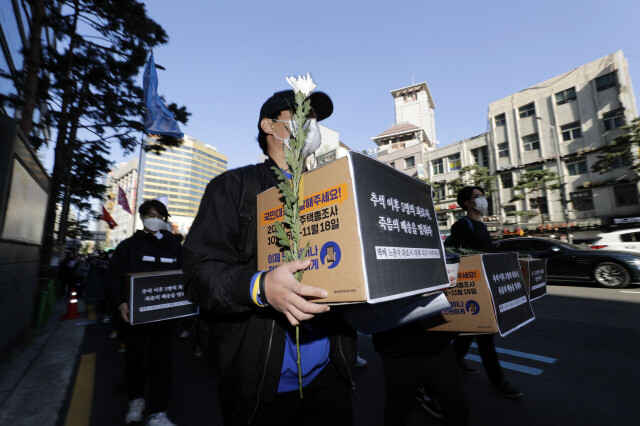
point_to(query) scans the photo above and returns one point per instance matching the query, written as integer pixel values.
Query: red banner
(107, 218)
(122, 200)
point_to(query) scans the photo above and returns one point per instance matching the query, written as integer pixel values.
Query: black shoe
(430, 405)
(507, 389)
(466, 369)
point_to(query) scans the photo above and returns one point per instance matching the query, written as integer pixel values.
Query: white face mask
(481, 204)
(154, 224)
(312, 141)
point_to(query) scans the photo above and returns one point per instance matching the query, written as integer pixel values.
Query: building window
(577, 167)
(438, 166)
(480, 156)
(613, 119)
(534, 169)
(439, 192)
(527, 110)
(500, 120)
(626, 195)
(409, 162)
(410, 97)
(443, 220)
(326, 158)
(540, 204)
(606, 81)
(531, 142)
(507, 180)
(566, 96)
(454, 162)
(503, 150)
(571, 131)
(509, 210)
(582, 200)
(621, 161)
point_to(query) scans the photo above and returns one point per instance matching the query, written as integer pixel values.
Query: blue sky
(225, 58)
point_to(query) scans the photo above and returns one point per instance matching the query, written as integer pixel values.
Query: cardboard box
(373, 232)
(534, 272)
(374, 318)
(158, 296)
(490, 297)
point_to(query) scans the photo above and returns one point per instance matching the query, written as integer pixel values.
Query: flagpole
(138, 184)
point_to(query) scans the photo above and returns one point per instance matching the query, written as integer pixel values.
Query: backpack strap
(248, 212)
(470, 222)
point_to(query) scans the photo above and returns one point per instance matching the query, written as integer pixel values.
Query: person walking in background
(471, 233)
(148, 346)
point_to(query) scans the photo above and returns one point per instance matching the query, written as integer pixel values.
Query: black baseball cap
(286, 100)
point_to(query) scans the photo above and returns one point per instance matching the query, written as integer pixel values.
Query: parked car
(625, 239)
(568, 262)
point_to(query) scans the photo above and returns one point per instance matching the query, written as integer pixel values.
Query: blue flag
(158, 119)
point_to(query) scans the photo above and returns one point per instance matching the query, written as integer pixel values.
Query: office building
(560, 124)
(181, 175)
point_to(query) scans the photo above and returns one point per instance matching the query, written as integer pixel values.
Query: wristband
(261, 291)
(255, 288)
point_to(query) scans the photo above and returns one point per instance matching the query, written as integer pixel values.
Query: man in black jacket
(252, 332)
(148, 346)
(471, 233)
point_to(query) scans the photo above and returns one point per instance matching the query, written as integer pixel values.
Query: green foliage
(462, 251)
(621, 150)
(90, 83)
(288, 231)
(533, 184)
(474, 175)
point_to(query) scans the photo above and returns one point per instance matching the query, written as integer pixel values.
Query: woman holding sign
(151, 249)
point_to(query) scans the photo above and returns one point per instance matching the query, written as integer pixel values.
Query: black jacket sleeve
(113, 280)
(215, 276)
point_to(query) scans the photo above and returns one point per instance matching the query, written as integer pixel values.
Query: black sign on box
(399, 229)
(510, 299)
(158, 296)
(538, 278)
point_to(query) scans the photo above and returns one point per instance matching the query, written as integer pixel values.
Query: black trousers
(327, 401)
(438, 372)
(148, 351)
(487, 350)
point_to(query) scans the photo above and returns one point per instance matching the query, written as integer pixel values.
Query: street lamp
(563, 193)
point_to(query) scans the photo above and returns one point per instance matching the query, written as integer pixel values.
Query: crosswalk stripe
(534, 357)
(509, 366)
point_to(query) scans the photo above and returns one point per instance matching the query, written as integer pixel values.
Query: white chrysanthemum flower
(302, 84)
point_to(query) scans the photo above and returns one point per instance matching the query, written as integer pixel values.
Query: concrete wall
(22, 207)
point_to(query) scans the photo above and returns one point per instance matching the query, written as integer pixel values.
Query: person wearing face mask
(148, 346)
(253, 314)
(471, 233)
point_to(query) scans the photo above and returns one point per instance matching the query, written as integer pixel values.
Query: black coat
(142, 252)
(248, 341)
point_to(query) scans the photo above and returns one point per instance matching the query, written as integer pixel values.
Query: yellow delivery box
(489, 297)
(372, 230)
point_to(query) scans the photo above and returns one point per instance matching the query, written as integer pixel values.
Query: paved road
(576, 364)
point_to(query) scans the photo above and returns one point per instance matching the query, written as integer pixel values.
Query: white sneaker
(159, 419)
(360, 362)
(136, 408)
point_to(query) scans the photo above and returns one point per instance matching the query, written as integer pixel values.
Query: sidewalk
(34, 381)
